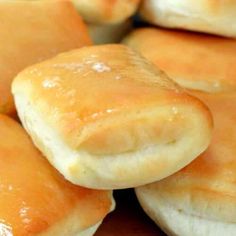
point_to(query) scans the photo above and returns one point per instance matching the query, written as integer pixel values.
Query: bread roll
(35, 199)
(200, 200)
(106, 118)
(106, 11)
(216, 17)
(195, 61)
(31, 31)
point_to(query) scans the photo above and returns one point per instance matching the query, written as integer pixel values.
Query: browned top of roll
(195, 61)
(31, 31)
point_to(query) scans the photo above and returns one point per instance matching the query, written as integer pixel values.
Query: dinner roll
(200, 200)
(35, 199)
(31, 31)
(210, 16)
(106, 118)
(195, 61)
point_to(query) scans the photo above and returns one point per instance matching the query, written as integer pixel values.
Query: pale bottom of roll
(178, 223)
(194, 17)
(85, 169)
(87, 232)
(90, 231)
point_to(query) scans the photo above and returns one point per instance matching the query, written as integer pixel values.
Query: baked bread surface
(103, 114)
(32, 31)
(195, 61)
(35, 199)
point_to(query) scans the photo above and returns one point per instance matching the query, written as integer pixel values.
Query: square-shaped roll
(106, 118)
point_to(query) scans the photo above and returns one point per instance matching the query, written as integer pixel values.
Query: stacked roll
(199, 199)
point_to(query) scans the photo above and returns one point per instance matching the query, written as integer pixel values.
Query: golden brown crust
(90, 74)
(195, 61)
(106, 11)
(34, 196)
(206, 187)
(31, 31)
(102, 105)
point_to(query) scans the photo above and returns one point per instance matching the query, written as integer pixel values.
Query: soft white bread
(106, 118)
(35, 199)
(110, 33)
(195, 61)
(106, 11)
(210, 16)
(31, 31)
(200, 200)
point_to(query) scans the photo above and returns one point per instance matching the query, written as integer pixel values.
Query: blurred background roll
(108, 21)
(215, 17)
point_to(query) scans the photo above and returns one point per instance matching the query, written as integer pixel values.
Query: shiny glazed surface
(32, 31)
(195, 61)
(90, 86)
(33, 195)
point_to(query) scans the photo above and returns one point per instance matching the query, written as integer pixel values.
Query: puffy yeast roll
(216, 17)
(35, 199)
(110, 33)
(106, 118)
(195, 61)
(200, 200)
(31, 31)
(106, 11)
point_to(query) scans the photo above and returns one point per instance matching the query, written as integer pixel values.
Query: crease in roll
(201, 198)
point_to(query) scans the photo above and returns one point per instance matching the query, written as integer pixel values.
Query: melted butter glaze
(34, 196)
(92, 83)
